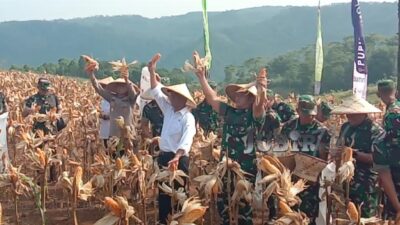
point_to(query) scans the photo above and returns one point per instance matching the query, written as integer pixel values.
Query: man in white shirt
(178, 130)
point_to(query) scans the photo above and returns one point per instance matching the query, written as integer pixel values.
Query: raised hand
(200, 69)
(152, 65)
(91, 64)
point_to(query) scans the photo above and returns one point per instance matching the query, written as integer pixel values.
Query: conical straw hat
(355, 105)
(183, 90)
(119, 83)
(106, 80)
(231, 89)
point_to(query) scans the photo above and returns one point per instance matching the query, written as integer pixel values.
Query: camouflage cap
(386, 85)
(270, 93)
(212, 84)
(326, 109)
(44, 83)
(307, 105)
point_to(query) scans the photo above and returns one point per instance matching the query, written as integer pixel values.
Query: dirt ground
(86, 216)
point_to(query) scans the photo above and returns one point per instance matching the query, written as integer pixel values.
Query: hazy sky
(56, 9)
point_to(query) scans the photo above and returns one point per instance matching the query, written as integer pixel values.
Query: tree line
(290, 72)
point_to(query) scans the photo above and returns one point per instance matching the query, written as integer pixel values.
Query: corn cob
(119, 164)
(267, 167)
(42, 157)
(347, 154)
(352, 211)
(113, 206)
(78, 176)
(284, 208)
(135, 160)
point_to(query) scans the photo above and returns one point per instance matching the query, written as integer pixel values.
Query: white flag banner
(360, 72)
(3, 141)
(360, 83)
(144, 97)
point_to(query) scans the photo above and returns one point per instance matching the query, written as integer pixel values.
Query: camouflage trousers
(245, 211)
(362, 194)
(310, 202)
(389, 212)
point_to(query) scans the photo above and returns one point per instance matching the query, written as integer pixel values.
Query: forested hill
(235, 35)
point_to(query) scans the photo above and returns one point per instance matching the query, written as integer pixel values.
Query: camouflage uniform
(324, 111)
(239, 133)
(285, 111)
(3, 105)
(271, 125)
(363, 187)
(46, 103)
(206, 117)
(387, 151)
(153, 113)
(308, 139)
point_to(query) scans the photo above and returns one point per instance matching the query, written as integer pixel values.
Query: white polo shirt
(179, 127)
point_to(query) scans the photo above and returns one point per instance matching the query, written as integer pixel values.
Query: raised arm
(132, 91)
(152, 69)
(261, 99)
(97, 87)
(211, 95)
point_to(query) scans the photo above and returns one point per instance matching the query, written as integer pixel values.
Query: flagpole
(319, 54)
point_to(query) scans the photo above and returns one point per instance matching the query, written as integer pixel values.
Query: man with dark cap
(205, 116)
(46, 101)
(386, 152)
(308, 136)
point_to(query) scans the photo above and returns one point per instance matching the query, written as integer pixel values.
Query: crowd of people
(251, 115)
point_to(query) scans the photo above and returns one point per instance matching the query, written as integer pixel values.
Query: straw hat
(355, 105)
(183, 90)
(119, 83)
(231, 89)
(106, 81)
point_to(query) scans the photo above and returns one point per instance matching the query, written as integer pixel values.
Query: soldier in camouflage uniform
(152, 114)
(47, 101)
(387, 150)
(272, 121)
(205, 116)
(284, 110)
(358, 133)
(323, 112)
(3, 103)
(308, 136)
(270, 129)
(239, 133)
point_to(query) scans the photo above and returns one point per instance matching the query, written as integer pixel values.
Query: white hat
(355, 105)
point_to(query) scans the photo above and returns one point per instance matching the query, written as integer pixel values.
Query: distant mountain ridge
(235, 35)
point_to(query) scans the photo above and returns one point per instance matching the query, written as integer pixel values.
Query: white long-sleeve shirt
(179, 127)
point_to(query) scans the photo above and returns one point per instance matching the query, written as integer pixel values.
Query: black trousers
(164, 200)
